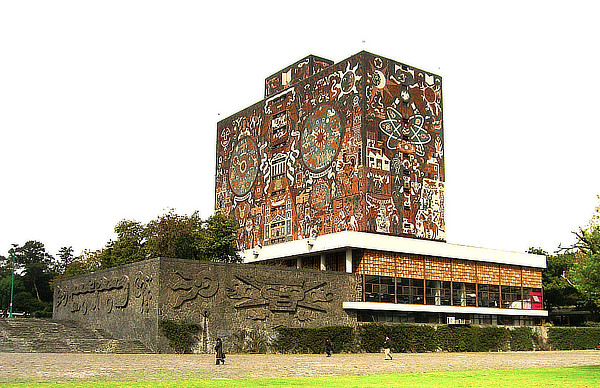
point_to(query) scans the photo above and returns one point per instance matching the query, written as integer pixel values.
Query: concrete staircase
(30, 335)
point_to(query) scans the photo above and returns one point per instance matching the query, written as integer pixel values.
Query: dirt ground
(56, 367)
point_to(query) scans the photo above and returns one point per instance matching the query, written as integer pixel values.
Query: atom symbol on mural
(395, 126)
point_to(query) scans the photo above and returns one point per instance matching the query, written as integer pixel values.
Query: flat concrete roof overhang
(417, 308)
(381, 242)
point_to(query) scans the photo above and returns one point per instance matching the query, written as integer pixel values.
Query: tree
(173, 235)
(85, 263)
(218, 239)
(128, 248)
(558, 291)
(35, 263)
(169, 235)
(585, 273)
(188, 237)
(65, 257)
(5, 284)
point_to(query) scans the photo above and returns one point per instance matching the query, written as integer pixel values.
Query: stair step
(32, 335)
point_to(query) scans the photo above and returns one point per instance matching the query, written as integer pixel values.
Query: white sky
(108, 109)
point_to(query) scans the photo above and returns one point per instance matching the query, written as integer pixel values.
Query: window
(463, 294)
(511, 297)
(489, 295)
(410, 291)
(388, 289)
(479, 319)
(371, 288)
(391, 316)
(532, 298)
(437, 293)
(379, 289)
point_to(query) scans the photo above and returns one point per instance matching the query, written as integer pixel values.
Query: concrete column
(349, 260)
(323, 266)
(299, 262)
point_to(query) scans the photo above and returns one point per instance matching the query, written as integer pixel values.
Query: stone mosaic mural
(356, 145)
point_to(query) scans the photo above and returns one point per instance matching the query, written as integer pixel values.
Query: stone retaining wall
(224, 299)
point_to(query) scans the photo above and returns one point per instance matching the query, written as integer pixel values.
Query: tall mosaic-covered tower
(352, 146)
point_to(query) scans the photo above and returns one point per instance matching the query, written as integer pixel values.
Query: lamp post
(12, 281)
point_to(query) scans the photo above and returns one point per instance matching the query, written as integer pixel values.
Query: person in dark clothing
(219, 351)
(387, 348)
(328, 347)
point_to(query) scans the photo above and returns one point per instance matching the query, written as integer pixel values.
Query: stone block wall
(122, 300)
(224, 299)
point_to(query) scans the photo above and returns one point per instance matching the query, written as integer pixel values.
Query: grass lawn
(583, 376)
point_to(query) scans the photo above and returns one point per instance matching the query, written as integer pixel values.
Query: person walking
(387, 348)
(328, 347)
(219, 351)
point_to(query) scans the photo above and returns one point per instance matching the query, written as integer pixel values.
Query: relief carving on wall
(141, 289)
(186, 288)
(102, 295)
(279, 298)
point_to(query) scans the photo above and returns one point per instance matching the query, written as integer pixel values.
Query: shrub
(521, 338)
(312, 340)
(181, 336)
(421, 338)
(250, 341)
(569, 338)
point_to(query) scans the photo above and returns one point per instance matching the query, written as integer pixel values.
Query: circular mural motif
(321, 138)
(244, 166)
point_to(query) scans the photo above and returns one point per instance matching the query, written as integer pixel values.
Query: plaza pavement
(57, 367)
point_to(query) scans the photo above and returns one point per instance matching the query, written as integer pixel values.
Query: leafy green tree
(5, 284)
(173, 235)
(169, 235)
(65, 257)
(85, 263)
(5, 266)
(558, 291)
(585, 273)
(218, 239)
(129, 247)
(27, 303)
(32, 258)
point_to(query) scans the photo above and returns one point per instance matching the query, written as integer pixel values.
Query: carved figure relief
(102, 295)
(141, 289)
(261, 298)
(187, 288)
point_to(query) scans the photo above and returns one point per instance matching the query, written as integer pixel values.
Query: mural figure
(101, 295)
(335, 147)
(142, 290)
(187, 288)
(261, 296)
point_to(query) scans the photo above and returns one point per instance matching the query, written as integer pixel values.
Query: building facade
(352, 146)
(341, 168)
(336, 179)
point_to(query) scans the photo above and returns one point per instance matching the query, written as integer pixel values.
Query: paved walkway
(137, 367)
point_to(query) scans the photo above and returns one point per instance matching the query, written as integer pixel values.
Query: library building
(340, 168)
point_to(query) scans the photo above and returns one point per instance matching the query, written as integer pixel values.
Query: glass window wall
(437, 293)
(464, 294)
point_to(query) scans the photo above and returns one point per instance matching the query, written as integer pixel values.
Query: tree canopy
(169, 235)
(572, 276)
(34, 270)
(172, 235)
